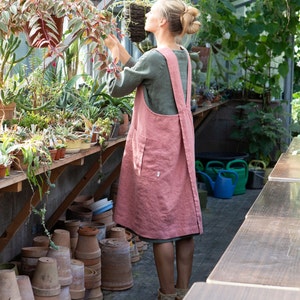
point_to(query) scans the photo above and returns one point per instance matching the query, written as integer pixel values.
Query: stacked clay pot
(116, 264)
(77, 288)
(45, 280)
(63, 259)
(72, 226)
(9, 287)
(30, 257)
(88, 251)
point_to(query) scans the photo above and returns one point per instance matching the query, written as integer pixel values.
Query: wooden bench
(263, 259)
(277, 199)
(210, 291)
(265, 251)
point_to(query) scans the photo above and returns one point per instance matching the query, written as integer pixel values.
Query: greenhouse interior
(92, 124)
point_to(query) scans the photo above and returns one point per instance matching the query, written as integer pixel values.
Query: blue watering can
(224, 185)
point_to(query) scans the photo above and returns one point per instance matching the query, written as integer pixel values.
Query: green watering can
(240, 166)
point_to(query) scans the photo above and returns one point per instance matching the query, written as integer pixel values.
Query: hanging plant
(134, 15)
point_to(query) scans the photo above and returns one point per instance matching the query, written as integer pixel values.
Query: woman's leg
(164, 261)
(184, 262)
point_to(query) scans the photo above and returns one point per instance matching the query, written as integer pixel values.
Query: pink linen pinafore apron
(157, 193)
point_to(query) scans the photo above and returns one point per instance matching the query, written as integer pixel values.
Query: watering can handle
(199, 165)
(256, 163)
(231, 172)
(236, 161)
(216, 163)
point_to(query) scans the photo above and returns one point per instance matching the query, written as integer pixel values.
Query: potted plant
(10, 76)
(6, 157)
(34, 154)
(262, 132)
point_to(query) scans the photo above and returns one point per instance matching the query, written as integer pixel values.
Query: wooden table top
(277, 199)
(287, 168)
(211, 291)
(265, 251)
(294, 145)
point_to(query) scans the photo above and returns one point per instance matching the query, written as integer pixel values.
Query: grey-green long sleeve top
(152, 72)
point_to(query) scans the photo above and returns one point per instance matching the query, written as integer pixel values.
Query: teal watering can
(224, 185)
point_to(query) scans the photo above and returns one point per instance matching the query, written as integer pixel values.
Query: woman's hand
(112, 43)
(118, 52)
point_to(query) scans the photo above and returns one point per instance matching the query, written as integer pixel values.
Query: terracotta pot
(77, 288)
(98, 268)
(41, 241)
(90, 262)
(116, 264)
(53, 153)
(92, 279)
(87, 244)
(62, 152)
(9, 287)
(94, 294)
(25, 287)
(58, 154)
(2, 171)
(63, 259)
(105, 217)
(134, 253)
(61, 237)
(79, 212)
(84, 200)
(30, 257)
(95, 137)
(118, 233)
(45, 281)
(72, 226)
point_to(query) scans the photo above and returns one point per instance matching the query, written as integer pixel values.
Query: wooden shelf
(202, 112)
(13, 183)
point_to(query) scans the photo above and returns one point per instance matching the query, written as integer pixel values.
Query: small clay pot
(87, 244)
(9, 287)
(61, 237)
(45, 281)
(41, 241)
(77, 287)
(63, 259)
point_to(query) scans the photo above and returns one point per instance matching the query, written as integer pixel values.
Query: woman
(157, 194)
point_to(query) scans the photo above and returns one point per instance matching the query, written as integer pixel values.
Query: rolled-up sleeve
(133, 74)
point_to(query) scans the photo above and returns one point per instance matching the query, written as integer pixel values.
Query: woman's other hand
(112, 43)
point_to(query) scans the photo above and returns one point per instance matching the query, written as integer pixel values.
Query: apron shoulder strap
(175, 76)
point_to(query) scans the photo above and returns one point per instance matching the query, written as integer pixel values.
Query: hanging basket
(134, 15)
